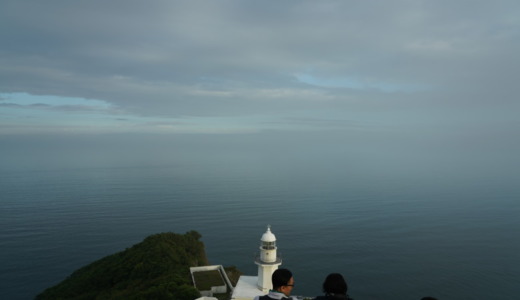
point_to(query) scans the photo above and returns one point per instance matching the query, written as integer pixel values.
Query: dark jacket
(333, 297)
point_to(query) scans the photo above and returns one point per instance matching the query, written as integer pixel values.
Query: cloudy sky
(391, 79)
(251, 66)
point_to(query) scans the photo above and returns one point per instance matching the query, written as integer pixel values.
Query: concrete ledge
(220, 289)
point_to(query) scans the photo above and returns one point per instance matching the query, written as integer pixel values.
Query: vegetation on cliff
(156, 268)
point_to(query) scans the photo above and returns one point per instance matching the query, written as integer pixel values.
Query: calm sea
(392, 237)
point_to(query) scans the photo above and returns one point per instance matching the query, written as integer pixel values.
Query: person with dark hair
(428, 298)
(335, 288)
(283, 284)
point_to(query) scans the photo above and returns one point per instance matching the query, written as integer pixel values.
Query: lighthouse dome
(268, 236)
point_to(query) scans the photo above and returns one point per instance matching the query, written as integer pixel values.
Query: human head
(428, 298)
(283, 281)
(335, 284)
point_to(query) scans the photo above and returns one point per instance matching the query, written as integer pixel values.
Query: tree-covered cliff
(156, 268)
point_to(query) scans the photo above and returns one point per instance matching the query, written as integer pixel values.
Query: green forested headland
(156, 268)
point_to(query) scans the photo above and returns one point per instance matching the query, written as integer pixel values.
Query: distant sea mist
(398, 218)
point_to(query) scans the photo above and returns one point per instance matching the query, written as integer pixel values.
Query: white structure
(220, 289)
(246, 289)
(267, 261)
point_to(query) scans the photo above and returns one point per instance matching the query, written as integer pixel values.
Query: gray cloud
(239, 58)
(63, 108)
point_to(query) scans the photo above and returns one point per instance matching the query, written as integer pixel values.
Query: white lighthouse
(248, 287)
(267, 261)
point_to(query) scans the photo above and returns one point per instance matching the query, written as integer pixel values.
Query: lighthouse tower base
(265, 272)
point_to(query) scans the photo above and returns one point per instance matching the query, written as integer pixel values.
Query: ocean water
(392, 236)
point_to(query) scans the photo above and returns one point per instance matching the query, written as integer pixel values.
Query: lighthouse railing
(258, 259)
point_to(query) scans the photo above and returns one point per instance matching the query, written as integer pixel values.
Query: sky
(435, 72)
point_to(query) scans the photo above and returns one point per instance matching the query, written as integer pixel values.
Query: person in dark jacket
(335, 288)
(283, 284)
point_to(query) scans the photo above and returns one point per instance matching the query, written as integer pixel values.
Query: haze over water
(396, 231)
